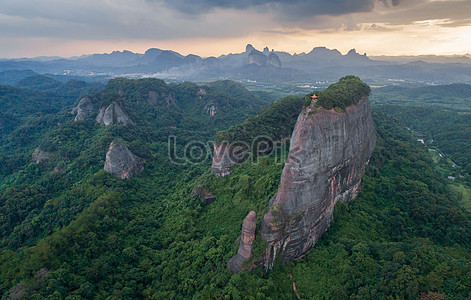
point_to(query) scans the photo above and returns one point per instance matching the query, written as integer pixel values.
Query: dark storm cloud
(395, 2)
(301, 7)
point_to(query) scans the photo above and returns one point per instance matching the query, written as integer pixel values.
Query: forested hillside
(71, 230)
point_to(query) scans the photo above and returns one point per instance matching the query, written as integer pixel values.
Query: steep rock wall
(274, 60)
(122, 162)
(327, 157)
(83, 109)
(113, 114)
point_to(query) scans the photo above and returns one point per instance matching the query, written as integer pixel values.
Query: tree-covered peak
(347, 91)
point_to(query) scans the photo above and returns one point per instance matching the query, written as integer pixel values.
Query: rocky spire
(247, 237)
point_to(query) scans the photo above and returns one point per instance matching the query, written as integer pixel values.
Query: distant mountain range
(268, 66)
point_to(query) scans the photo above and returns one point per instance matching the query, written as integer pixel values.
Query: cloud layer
(26, 23)
(302, 7)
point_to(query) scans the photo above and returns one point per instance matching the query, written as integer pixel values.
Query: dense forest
(454, 97)
(450, 131)
(447, 137)
(70, 230)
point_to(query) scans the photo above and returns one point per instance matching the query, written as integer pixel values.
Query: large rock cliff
(274, 60)
(122, 162)
(261, 59)
(113, 114)
(327, 157)
(83, 109)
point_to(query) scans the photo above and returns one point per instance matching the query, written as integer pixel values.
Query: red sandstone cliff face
(327, 157)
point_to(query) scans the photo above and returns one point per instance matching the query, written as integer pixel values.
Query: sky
(30, 28)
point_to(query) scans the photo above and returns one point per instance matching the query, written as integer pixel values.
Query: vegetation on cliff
(275, 121)
(347, 91)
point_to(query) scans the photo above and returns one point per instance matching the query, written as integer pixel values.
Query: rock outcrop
(226, 156)
(235, 264)
(211, 109)
(274, 60)
(203, 193)
(264, 58)
(156, 98)
(39, 155)
(83, 109)
(122, 162)
(113, 114)
(258, 58)
(327, 157)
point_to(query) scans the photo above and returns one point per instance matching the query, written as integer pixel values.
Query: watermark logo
(227, 154)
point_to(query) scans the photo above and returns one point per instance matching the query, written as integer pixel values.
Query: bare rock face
(39, 155)
(113, 114)
(274, 60)
(156, 98)
(247, 237)
(122, 162)
(327, 157)
(83, 109)
(211, 109)
(258, 58)
(203, 193)
(226, 156)
(264, 58)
